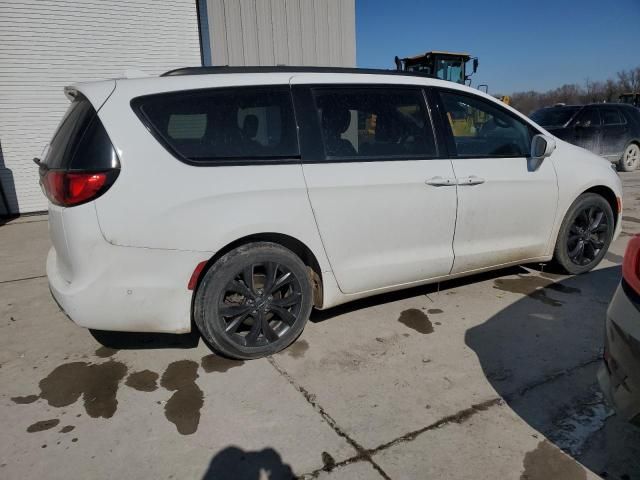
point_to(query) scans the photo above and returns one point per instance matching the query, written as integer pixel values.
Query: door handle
(440, 182)
(470, 180)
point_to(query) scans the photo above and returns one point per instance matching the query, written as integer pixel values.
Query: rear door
(614, 134)
(383, 194)
(586, 129)
(506, 201)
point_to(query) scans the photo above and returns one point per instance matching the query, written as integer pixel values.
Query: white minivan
(238, 199)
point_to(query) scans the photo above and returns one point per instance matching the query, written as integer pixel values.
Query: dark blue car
(611, 130)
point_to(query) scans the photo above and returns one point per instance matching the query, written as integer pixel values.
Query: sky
(521, 44)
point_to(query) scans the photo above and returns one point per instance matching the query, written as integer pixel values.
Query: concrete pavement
(486, 377)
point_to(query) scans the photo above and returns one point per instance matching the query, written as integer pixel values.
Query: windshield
(452, 70)
(554, 116)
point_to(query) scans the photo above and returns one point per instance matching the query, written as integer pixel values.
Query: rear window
(223, 125)
(81, 142)
(554, 117)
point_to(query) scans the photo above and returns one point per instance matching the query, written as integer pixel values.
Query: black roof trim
(290, 69)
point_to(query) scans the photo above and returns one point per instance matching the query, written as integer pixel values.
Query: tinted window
(554, 116)
(588, 117)
(481, 129)
(81, 142)
(374, 122)
(223, 124)
(611, 116)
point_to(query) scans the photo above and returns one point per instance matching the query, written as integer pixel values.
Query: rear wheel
(630, 158)
(585, 234)
(254, 301)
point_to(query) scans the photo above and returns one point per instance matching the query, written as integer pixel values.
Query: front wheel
(585, 234)
(254, 301)
(630, 158)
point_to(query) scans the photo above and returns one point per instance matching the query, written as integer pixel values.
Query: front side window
(374, 123)
(588, 117)
(451, 70)
(481, 129)
(611, 116)
(213, 126)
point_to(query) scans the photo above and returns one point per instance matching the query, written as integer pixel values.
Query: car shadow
(322, 315)
(142, 341)
(233, 463)
(541, 355)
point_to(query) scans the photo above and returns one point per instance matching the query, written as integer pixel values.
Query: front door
(506, 201)
(383, 198)
(586, 129)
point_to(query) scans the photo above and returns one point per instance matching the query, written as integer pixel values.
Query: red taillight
(67, 188)
(631, 264)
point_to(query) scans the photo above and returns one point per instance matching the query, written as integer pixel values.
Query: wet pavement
(486, 377)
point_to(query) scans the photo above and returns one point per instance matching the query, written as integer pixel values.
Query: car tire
(254, 301)
(585, 234)
(630, 159)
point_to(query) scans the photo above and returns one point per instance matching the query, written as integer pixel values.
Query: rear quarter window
(81, 141)
(222, 126)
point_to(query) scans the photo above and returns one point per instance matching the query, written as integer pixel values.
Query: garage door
(47, 44)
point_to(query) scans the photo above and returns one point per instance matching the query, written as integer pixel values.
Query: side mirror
(475, 65)
(542, 146)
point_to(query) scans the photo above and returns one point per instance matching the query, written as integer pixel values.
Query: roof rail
(285, 69)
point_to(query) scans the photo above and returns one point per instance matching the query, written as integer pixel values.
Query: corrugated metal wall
(47, 44)
(287, 32)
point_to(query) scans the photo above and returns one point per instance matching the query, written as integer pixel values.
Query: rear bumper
(619, 376)
(128, 289)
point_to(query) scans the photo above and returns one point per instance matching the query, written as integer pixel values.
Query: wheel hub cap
(260, 304)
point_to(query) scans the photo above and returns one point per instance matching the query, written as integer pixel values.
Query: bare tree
(573, 93)
(629, 80)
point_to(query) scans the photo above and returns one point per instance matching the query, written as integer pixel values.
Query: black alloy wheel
(254, 301)
(588, 234)
(260, 304)
(585, 234)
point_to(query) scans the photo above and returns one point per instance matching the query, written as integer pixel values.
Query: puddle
(416, 320)
(214, 363)
(547, 461)
(576, 425)
(534, 287)
(105, 352)
(298, 349)
(97, 383)
(328, 461)
(43, 425)
(434, 311)
(143, 381)
(183, 408)
(24, 400)
(67, 429)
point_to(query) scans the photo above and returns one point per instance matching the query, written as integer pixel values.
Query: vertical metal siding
(47, 44)
(289, 32)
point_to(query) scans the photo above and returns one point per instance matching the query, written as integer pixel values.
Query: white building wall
(282, 32)
(47, 44)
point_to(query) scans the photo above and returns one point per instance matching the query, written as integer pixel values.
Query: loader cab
(443, 65)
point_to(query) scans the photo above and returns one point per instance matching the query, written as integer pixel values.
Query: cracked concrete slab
(492, 444)
(247, 405)
(24, 250)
